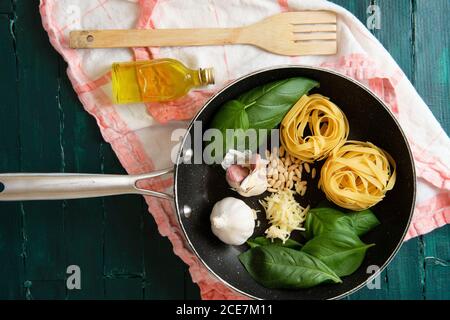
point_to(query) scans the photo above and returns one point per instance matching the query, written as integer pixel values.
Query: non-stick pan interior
(201, 186)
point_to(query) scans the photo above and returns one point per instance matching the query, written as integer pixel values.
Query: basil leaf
(231, 115)
(284, 268)
(342, 252)
(260, 108)
(267, 105)
(363, 221)
(325, 219)
(263, 241)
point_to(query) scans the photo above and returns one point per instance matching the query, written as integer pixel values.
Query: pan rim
(298, 66)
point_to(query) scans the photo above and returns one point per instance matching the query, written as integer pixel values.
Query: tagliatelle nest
(357, 175)
(313, 128)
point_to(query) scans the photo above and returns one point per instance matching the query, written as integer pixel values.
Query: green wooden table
(114, 240)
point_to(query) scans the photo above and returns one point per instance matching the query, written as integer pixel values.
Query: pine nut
(295, 178)
(281, 169)
(303, 192)
(281, 151)
(287, 162)
(291, 175)
(274, 163)
(267, 154)
(281, 178)
(270, 172)
(271, 182)
(272, 190)
(286, 175)
(313, 173)
(275, 175)
(293, 167)
(277, 184)
(307, 167)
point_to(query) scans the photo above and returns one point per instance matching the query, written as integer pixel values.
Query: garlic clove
(246, 173)
(235, 175)
(256, 182)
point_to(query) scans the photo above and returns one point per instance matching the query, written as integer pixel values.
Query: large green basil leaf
(263, 241)
(363, 221)
(260, 108)
(231, 115)
(342, 252)
(267, 105)
(277, 267)
(326, 219)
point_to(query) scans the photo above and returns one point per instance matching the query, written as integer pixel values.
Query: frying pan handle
(57, 186)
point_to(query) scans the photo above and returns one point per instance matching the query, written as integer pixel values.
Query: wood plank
(396, 33)
(123, 247)
(358, 8)
(432, 52)
(45, 290)
(10, 213)
(164, 271)
(124, 289)
(6, 6)
(437, 264)
(40, 142)
(401, 280)
(83, 218)
(432, 49)
(128, 258)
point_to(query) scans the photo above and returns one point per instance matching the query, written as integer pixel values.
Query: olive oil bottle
(158, 80)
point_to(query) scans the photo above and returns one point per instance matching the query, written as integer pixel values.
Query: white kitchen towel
(141, 134)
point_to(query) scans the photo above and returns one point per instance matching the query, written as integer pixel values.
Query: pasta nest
(357, 175)
(313, 128)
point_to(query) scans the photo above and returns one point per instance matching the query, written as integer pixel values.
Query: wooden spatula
(290, 33)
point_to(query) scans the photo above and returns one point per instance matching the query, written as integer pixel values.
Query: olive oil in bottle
(155, 80)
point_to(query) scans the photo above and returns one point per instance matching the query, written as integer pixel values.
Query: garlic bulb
(232, 221)
(246, 173)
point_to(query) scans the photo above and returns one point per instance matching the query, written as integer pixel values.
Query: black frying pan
(199, 186)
